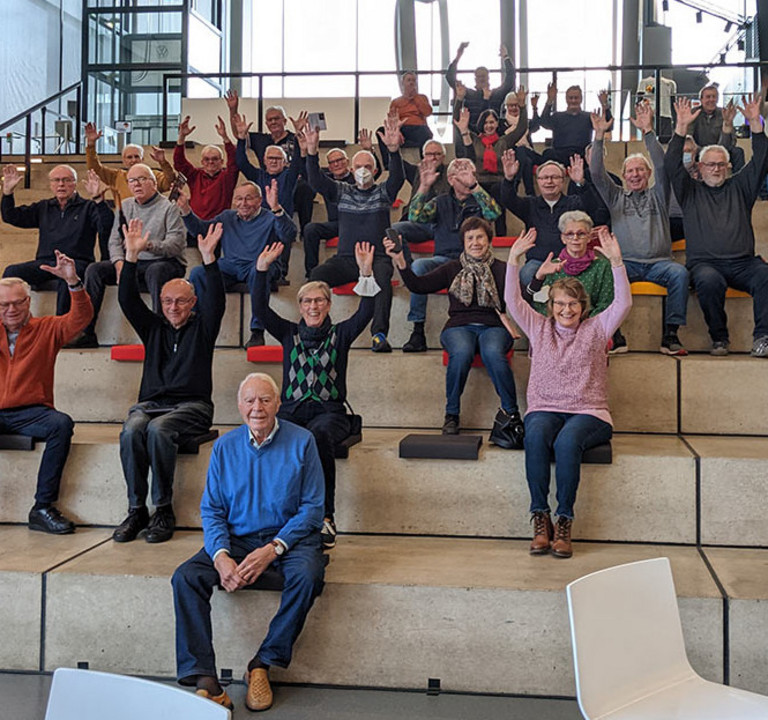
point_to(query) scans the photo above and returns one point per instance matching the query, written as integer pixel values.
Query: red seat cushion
(427, 247)
(478, 362)
(265, 354)
(333, 242)
(128, 353)
(349, 288)
(503, 241)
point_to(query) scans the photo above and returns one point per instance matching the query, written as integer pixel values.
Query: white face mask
(363, 177)
(687, 158)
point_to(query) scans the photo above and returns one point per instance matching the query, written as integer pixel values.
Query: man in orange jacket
(28, 349)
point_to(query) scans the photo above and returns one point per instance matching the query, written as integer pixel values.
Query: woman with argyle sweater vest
(315, 354)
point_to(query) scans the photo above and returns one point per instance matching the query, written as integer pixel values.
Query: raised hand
(272, 201)
(685, 115)
(268, 255)
(397, 257)
(135, 242)
(312, 137)
(91, 134)
(391, 135)
(185, 130)
(462, 124)
(364, 258)
(522, 94)
(510, 164)
(300, 122)
(365, 139)
(551, 93)
(221, 129)
(729, 113)
(503, 52)
(158, 154)
(600, 124)
(182, 202)
(427, 175)
(230, 97)
(461, 90)
(466, 177)
(64, 268)
(549, 267)
(576, 169)
(522, 245)
(602, 97)
(11, 178)
(750, 108)
(301, 139)
(207, 244)
(92, 184)
(461, 50)
(609, 246)
(643, 119)
(535, 101)
(241, 126)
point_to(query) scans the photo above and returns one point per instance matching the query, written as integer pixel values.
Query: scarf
(490, 158)
(576, 266)
(312, 337)
(476, 276)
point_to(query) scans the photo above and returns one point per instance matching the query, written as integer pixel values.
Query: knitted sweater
(412, 111)
(278, 488)
(27, 377)
(569, 366)
(209, 195)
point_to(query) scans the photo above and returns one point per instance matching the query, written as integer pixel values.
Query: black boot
(508, 430)
(417, 342)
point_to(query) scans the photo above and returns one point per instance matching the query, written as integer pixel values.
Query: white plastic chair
(629, 655)
(88, 695)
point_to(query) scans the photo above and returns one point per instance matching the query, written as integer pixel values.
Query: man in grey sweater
(719, 239)
(640, 220)
(163, 259)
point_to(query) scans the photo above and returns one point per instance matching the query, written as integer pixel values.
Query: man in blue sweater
(247, 230)
(262, 506)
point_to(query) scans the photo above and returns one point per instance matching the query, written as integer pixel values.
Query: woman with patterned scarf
(577, 260)
(485, 148)
(476, 323)
(315, 354)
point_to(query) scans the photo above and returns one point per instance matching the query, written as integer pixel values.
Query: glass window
(204, 47)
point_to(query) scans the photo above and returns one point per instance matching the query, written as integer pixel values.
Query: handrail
(27, 117)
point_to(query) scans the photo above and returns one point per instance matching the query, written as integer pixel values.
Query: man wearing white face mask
(363, 218)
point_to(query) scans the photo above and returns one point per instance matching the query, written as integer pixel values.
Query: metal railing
(26, 116)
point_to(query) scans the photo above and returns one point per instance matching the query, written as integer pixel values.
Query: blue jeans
(711, 279)
(418, 309)
(233, 273)
(150, 439)
(527, 272)
(193, 582)
(52, 426)
(461, 344)
(569, 435)
(668, 274)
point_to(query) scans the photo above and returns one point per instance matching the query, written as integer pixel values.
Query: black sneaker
(508, 430)
(50, 520)
(618, 344)
(129, 529)
(256, 339)
(161, 525)
(671, 345)
(719, 348)
(451, 425)
(379, 344)
(84, 341)
(328, 534)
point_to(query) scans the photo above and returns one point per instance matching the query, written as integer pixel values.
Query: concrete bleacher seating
(431, 567)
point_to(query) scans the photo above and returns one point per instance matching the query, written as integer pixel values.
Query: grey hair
(148, 169)
(456, 162)
(718, 148)
(16, 282)
(67, 167)
(364, 152)
(432, 141)
(276, 107)
(336, 150)
(635, 156)
(558, 165)
(574, 216)
(137, 147)
(212, 147)
(319, 285)
(257, 376)
(270, 147)
(252, 184)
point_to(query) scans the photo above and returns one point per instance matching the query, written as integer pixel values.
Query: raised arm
(612, 317)
(522, 313)
(603, 183)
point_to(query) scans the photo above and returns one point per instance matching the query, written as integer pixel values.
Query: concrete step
(648, 494)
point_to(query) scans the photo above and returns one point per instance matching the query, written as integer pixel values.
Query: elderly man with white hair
(717, 212)
(66, 222)
(116, 179)
(640, 220)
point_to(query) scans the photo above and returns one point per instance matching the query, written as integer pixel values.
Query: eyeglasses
(167, 302)
(66, 180)
(571, 304)
(714, 165)
(274, 158)
(16, 304)
(433, 154)
(551, 178)
(337, 161)
(307, 302)
(139, 180)
(580, 235)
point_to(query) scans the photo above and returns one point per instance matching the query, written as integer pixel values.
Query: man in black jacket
(176, 385)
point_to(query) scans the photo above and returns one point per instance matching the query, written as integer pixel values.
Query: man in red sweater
(28, 349)
(210, 187)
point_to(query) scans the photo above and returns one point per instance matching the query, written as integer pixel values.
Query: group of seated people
(565, 286)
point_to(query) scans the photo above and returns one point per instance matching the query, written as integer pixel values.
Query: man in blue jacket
(262, 506)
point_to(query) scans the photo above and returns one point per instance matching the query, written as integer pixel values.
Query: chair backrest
(88, 695)
(626, 634)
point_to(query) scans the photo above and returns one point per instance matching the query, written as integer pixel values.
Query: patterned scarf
(576, 266)
(476, 276)
(312, 372)
(490, 159)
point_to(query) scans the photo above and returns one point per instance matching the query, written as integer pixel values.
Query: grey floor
(23, 697)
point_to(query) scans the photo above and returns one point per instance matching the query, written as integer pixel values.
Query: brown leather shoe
(542, 533)
(259, 694)
(222, 699)
(561, 547)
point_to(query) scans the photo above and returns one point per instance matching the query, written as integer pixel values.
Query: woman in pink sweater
(568, 386)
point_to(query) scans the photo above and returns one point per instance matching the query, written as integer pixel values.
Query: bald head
(177, 299)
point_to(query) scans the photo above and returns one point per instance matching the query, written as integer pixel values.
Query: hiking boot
(542, 533)
(256, 339)
(760, 347)
(618, 344)
(671, 345)
(561, 546)
(379, 344)
(508, 430)
(161, 525)
(451, 425)
(719, 348)
(417, 342)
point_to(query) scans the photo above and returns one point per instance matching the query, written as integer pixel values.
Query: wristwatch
(77, 286)
(279, 548)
